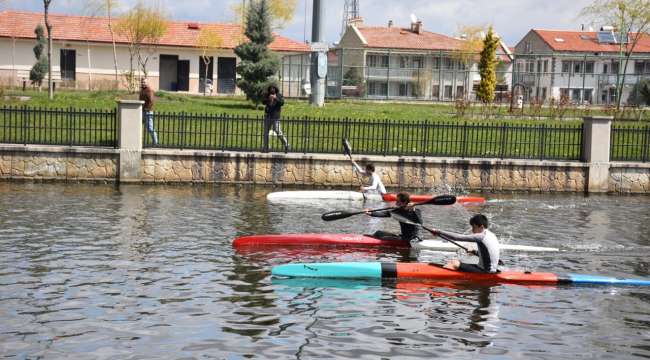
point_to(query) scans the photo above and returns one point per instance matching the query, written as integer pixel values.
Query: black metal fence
(372, 137)
(48, 126)
(630, 143)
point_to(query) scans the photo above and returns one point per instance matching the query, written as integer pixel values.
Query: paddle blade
(336, 215)
(440, 200)
(347, 148)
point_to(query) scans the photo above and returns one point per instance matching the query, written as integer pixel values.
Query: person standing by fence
(274, 102)
(146, 95)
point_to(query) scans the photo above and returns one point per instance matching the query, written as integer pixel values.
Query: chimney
(356, 22)
(390, 24)
(416, 27)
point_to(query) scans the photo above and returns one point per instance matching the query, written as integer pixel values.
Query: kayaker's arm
(475, 238)
(385, 213)
(358, 168)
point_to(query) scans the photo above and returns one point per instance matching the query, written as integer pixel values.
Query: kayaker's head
(479, 223)
(370, 168)
(402, 199)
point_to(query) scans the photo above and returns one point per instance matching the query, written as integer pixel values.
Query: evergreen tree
(257, 63)
(39, 70)
(487, 67)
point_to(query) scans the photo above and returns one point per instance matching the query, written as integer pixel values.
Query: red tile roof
(585, 41)
(21, 24)
(396, 38)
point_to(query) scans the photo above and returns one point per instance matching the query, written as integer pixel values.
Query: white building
(82, 54)
(581, 66)
(412, 63)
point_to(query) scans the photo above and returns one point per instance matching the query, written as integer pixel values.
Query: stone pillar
(130, 140)
(596, 136)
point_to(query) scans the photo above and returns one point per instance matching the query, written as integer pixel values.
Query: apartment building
(580, 66)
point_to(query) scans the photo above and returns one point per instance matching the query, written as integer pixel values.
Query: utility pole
(318, 70)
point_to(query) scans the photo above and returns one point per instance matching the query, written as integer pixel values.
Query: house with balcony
(391, 62)
(82, 54)
(582, 67)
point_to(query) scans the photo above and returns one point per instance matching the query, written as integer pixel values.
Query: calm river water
(100, 272)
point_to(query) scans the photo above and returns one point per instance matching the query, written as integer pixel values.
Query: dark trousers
(273, 123)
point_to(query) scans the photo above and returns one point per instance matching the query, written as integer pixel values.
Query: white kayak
(442, 245)
(321, 195)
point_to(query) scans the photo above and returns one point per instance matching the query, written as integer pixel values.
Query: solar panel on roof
(606, 37)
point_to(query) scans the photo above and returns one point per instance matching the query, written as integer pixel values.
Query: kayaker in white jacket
(376, 186)
(487, 244)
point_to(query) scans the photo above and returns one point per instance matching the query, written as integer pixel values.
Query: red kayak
(314, 239)
(423, 197)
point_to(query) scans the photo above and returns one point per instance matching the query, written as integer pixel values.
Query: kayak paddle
(438, 200)
(347, 148)
(402, 219)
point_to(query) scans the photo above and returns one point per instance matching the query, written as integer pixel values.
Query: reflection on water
(96, 271)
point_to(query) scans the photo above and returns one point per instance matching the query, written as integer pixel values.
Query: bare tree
(208, 40)
(94, 8)
(48, 26)
(143, 28)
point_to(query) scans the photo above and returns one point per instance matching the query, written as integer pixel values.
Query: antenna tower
(350, 11)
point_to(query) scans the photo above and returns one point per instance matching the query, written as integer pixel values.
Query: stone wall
(57, 163)
(313, 170)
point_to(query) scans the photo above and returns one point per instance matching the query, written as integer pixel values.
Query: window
(614, 67)
(378, 61)
(448, 91)
(403, 62)
(436, 63)
(589, 67)
(539, 66)
(460, 91)
(588, 96)
(435, 91)
(575, 95)
(418, 62)
(605, 67)
(447, 63)
(639, 67)
(577, 67)
(377, 88)
(529, 47)
(564, 93)
(545, 66)
(566, 66)
(403, 90)
(543, 93)
(530, 66)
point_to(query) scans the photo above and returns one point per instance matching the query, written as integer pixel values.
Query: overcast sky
(511, 18)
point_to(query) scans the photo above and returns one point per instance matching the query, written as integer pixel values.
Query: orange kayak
(425, 197)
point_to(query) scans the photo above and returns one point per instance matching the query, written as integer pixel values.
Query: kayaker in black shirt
(408, 232)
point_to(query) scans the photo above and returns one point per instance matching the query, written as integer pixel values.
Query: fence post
(646, 144)
(596, 137)
(129, 140)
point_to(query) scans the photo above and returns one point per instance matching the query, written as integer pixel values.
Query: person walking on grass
(146, 95)
(273, 102)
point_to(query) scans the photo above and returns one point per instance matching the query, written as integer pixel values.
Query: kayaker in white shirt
(376, 186)
(487, 244)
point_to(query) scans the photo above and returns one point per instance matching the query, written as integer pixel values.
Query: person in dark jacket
(146, 95)
(273, 101)
(408, 232)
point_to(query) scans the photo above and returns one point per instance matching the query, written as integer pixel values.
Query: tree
(487, 67)
(100, 6)
(281, 11)
(48, 26)
(208, 40)
(38, 71)
(632, 19)
(472, 36)
(143, 28)
(641, 93)
(257, 63)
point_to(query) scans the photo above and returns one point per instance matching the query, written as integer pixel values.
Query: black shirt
(408, 231)
(273, 108)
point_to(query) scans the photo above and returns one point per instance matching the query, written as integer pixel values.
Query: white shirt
(375, 185)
